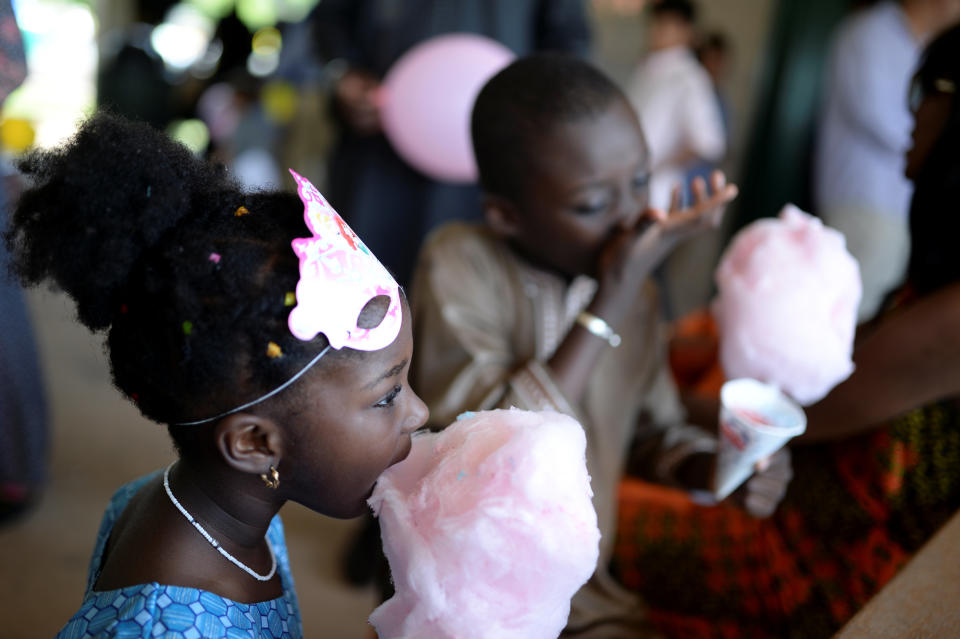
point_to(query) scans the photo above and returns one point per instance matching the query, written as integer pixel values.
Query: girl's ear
(501, 215)
(249, 443)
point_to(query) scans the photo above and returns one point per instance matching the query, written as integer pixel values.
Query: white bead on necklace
(214, 542)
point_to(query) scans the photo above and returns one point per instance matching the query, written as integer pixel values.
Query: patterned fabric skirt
(854, 514)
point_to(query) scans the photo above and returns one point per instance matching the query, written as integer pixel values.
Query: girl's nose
(417, 416)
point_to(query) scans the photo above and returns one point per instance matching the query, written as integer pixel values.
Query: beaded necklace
(214, 542)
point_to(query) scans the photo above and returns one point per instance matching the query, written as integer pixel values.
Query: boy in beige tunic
(549, 305)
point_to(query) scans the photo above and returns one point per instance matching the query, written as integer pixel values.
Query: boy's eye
(590, 208)
(388, 400)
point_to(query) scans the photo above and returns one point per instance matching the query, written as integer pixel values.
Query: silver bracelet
(599, 328)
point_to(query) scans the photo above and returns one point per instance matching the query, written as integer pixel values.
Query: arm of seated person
(910, 359)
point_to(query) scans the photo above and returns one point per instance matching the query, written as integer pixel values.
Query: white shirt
(678, 109)
(865, 123)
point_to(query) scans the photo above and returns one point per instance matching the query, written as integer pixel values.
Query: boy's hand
(759, 496)
(707, 210)
(762, 493)
(632, 254)
(625, 262)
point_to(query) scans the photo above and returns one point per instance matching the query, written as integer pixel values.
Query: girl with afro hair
(192, 281)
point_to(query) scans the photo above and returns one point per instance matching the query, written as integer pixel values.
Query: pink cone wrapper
(756, 420)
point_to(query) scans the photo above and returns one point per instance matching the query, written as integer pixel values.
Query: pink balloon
(427, 97)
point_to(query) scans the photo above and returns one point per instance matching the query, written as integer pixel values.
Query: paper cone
(756, 420)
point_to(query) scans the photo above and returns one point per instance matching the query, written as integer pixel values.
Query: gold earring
(273, 479)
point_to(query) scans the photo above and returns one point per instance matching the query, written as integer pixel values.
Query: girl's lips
(403, 454)
(404, 451)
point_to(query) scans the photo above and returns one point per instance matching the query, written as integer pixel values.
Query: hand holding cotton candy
(489, 528)
(787, 305)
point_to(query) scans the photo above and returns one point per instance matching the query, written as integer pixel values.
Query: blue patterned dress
(173, 612)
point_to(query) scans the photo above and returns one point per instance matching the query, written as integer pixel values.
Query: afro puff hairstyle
(152, 245)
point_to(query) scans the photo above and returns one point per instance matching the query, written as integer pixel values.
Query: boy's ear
(501, 215)
(249, 443)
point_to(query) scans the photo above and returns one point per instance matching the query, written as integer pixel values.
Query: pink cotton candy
(489, 528)
(787, 305)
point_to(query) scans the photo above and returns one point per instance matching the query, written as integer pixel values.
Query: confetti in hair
(215, 258)
(290, 298)
(274, 351)
(241, 211)
(187, 327)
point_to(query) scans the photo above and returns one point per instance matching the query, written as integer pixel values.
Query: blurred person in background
(243, 136)
(675, 99)
(131, 79)
(23, 411)
(859, 185)
(713, 51)
(678, 108)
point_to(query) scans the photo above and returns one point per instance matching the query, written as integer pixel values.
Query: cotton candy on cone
(489, 528)
(788, 292)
